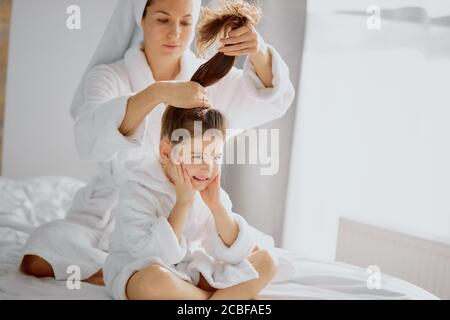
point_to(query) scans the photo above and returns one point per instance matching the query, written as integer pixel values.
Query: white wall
(45, 64)
(433, 7)
(371, 135)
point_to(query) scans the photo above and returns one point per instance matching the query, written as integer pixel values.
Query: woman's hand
(241, 41)
(179, 94)
(246, 40)
(183, 186)
(211, 194)
(183, 94)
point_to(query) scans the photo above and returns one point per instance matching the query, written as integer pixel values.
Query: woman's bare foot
(36, 266)
(96, 279)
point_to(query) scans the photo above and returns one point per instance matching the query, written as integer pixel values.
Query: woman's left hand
(243, 40)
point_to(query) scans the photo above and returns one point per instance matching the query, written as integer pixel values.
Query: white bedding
(28, 203)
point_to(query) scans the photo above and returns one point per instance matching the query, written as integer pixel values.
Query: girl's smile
(202, 179)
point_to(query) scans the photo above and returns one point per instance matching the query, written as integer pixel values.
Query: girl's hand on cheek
(211, 194)
(183, 186)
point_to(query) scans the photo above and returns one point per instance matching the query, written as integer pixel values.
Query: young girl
(176, 236)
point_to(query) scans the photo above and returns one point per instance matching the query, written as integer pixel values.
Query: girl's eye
(186, 24)
(163, 20)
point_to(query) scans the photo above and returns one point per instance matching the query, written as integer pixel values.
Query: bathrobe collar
(141, 75)
(163, 181)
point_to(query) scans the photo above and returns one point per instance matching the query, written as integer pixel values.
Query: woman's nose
(175, 30)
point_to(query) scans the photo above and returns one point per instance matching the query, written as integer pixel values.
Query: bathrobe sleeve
(239, 249)
(97, 119)
(144, 229)
(246, 102)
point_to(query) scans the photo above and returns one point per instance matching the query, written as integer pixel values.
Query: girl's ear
(165, 150)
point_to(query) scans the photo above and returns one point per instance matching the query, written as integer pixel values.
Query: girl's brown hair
(212, 23)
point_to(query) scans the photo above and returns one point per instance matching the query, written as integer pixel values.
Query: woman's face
(168, 27)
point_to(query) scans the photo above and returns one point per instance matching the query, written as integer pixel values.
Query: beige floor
(5, 13)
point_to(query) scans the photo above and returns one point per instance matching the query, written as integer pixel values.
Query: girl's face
(168, 27)
(200, 157)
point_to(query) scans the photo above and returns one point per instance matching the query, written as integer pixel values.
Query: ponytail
(212, 24)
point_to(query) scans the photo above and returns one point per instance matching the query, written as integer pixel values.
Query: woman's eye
(163, 20)
(186, 24)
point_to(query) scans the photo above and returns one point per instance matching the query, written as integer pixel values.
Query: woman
(120, 115)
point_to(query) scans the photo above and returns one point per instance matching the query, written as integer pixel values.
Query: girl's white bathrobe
(82, 237)
(143, 236)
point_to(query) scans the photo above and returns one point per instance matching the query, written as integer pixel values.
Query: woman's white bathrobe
(82, 237)
(143, 236)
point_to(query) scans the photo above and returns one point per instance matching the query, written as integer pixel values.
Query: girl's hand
(242, 41)
(183, 186)
(211, 194)
(183, 94)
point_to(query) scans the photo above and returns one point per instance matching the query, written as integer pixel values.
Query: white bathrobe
(82, 238)
(143, 236)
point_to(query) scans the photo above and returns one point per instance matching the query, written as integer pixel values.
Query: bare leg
(38, 267)
(157, 283)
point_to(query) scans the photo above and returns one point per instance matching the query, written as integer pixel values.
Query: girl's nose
(208, 167)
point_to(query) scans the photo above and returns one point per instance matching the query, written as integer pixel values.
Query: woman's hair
(232, 15)
(149, 3)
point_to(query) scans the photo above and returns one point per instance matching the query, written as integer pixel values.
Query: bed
(25, 204)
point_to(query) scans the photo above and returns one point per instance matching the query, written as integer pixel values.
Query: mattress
(25, 204)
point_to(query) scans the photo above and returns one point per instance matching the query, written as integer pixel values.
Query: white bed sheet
(26, 204)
